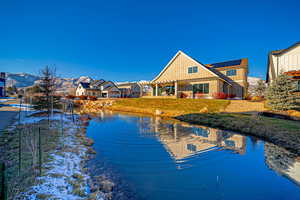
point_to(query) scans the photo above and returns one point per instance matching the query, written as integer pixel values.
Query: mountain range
(21, 80)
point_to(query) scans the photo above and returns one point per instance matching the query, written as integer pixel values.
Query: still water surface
(158, 159)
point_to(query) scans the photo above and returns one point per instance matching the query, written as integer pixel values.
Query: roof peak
(281, 51)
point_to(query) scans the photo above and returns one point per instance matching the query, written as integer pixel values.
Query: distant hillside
(26, 80)
(20, 80)
(252, 83)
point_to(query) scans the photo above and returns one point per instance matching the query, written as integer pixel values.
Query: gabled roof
(214, 72)
(97, 82)
(85, 85)
(282, 51)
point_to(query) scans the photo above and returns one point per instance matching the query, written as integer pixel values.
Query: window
(231, 72)
(191, 147)
(192, 69)
(201, 132)
(298, 86)
(201, 88)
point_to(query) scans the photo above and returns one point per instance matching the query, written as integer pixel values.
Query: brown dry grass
(169, 107)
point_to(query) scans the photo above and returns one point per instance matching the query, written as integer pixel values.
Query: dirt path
(243, 106)
(7, 113)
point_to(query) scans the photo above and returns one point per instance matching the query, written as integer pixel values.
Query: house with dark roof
(284, 61)
(98, 88)
(186, 77)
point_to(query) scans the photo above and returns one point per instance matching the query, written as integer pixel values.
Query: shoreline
(64, 169)
(281, 132)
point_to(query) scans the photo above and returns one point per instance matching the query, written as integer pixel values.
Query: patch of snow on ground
(64, 163)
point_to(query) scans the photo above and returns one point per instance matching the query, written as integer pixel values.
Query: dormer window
(231, 72)
(193, 69)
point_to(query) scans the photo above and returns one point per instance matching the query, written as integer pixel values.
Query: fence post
(62, 129)
(3, 182)
(73, 112)
(40, 151)
(20, 151)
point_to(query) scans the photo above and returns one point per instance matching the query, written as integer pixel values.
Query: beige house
(184, 140)
(98, 88)
(186, 77)
(130, 89)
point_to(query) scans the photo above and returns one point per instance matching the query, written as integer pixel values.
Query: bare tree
(46, 99)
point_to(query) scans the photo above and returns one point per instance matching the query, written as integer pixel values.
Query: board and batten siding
(178, 70)
(288, 61)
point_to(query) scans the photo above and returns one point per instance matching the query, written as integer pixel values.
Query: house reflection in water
(183, 141)
(283, 162)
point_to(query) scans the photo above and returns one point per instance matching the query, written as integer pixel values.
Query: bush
(257, 98)
(220, 95)
(183, 95)
(231, 96)
(70, 96)
(92, 98)
(280, 94)
(83, 97)
(248, 97)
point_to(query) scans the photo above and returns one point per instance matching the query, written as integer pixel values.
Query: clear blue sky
(133, 40)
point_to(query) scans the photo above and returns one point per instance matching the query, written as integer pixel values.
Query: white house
(284, 60)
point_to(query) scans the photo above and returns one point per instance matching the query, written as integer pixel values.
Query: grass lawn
(284, 133)
(169, 107)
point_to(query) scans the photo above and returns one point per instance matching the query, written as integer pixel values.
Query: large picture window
(201, 88)
(231, 72)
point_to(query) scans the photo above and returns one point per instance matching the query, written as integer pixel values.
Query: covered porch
(195, 88)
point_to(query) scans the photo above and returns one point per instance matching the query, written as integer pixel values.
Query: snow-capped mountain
(20, 80)
(26, 80)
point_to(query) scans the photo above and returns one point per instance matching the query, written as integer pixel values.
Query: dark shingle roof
(85, 85)
(227, 63)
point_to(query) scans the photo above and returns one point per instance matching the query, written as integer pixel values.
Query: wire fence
(23, 151)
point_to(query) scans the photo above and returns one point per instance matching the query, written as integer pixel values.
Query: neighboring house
(98, 88)
(284, 61)
(184, 76)
(2, 84)
(130, 89)
(109, 90)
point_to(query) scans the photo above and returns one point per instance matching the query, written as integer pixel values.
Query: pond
(157, 159)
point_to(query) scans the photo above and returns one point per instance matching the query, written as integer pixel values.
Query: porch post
(156, 89)
(176, 88)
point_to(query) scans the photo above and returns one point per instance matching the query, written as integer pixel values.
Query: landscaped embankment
(163, 107)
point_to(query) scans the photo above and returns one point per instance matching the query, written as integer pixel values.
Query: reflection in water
(183, 140)
(283, 162)
(154, 158)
